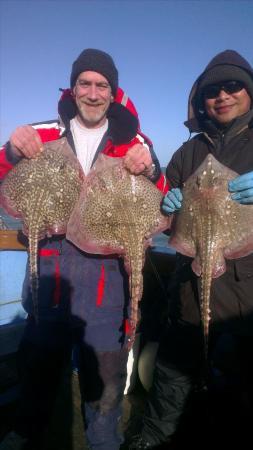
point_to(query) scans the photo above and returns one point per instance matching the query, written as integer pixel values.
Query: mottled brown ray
(42, 192)
(118, 213)
(211, 226)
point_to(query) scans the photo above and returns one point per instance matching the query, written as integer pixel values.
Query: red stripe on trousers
(101, 287)
(44, 252)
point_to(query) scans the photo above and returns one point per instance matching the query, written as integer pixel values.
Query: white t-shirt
(86, 142)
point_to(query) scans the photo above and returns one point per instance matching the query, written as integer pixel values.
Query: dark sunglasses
(230, 87)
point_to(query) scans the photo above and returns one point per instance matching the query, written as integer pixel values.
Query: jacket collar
(232, 129)
(123, 123)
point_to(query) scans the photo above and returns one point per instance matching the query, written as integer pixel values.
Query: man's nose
(222, 94)
(93, 92)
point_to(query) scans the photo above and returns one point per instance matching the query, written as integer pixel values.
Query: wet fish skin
(211, 227)
(42, 192)
(118, 213)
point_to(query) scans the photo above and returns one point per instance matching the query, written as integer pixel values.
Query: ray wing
(118, 213)
(42, 192)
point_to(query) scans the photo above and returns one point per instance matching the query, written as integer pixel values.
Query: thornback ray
(210, 227)
(42, 192)
(118, 213)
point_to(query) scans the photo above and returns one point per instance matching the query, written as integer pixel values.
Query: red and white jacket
(74, 285)
(123, 133)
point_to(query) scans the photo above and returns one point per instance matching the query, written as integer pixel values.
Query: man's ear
(112, 98)
(74, 91)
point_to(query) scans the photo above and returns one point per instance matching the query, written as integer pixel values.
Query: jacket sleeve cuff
(11, 157)
(156, 173)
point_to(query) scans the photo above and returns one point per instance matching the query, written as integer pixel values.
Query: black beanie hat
(97, 61)
(225, 72)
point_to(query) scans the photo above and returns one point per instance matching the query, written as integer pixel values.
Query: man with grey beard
(81, 296)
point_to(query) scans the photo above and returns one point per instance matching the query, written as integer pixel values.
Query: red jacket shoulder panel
(48, 131)
(48, 135)
(5, 166)
(118, 151)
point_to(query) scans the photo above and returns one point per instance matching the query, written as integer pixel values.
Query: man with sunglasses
(220, 112)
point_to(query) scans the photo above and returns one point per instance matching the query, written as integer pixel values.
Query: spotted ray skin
(210, 227)
(117, 213)
(42, 192)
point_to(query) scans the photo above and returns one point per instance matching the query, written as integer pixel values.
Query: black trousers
(179, 377)
(44, 355)
(44, 352)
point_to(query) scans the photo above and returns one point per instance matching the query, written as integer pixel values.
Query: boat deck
(66, 431)
(214, 420)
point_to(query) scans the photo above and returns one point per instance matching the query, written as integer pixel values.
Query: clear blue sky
(159, 47)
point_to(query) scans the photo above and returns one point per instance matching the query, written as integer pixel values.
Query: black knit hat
(225, 72)
(97, 61)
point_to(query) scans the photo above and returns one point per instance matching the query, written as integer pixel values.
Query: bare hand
(25, 141)
(138, 160)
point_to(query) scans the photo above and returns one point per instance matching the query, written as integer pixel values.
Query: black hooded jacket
(228, 57)
(231, 294)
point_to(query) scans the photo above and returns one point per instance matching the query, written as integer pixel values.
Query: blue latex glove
(242, 188)
(172, 201)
